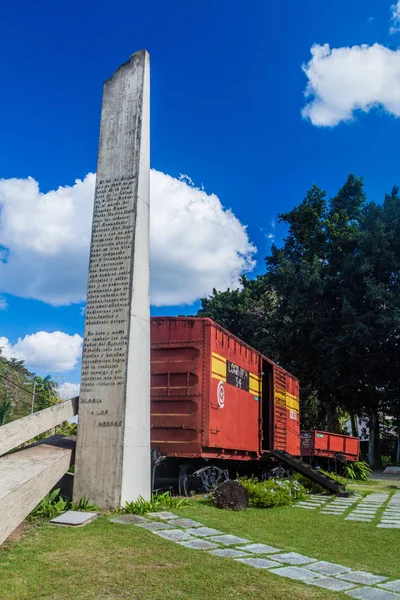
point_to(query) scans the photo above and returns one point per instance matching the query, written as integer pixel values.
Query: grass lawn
(108, 561)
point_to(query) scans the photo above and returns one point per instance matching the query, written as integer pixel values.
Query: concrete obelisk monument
(112, 463)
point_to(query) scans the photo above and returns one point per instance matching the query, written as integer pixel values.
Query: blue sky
(227, 94)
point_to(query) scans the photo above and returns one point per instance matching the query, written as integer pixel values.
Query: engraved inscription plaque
(113, 449)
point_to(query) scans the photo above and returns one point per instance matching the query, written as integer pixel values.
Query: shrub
(358, 470)
(83, 504)
(50, 507)
(272, 492)
(157, 502)
(309, 485)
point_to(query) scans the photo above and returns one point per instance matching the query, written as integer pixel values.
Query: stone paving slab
(362, 577)
(163, 515)
(260, 549)
(360, 519)
(391, 521)
(293, 558)
(388, 526)
(297, 573)
(307, 507)
(229, 540)
(228, 553)
(154, 526)
(332, 584)
(327, 568)
(74, 518)
(175, 535)
(198, 545)
(331, 512)
(203, 531)
(258, 563)
(129, 520)
(369, 593)
(393, 586)
(186, 523)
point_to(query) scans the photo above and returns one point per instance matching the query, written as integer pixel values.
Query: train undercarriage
(187, 477)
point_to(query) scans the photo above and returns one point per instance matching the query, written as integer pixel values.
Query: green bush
(358, 470)
(83, 504)
(157, 502)
(50, 507)
(272, 492)
(309, 485)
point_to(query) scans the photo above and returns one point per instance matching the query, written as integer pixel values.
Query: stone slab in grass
(228, 553)
(393, 586)
(129, 520)
(331, 512)
(388, 526)
(74, 518)
(293, 558)
(203, 531)
(174, 535)
(369, 593)
(163, 515)
(362, 577)
(297, 573)
(229, 540)
(260, 549)
(258, 563)
(186, 523)
(198, 545)
(154, 526)
(391, 521)
(327, 568)
(332, 584)
(306, 507)
(359, 519)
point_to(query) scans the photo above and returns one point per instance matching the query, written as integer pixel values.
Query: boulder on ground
(231, 494)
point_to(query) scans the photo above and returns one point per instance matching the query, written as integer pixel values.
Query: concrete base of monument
(27, 475)
(74, 518)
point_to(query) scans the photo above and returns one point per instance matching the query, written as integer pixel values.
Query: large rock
(231, 494)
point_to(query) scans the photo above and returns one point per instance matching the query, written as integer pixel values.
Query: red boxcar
(214, 397)
(327, 445)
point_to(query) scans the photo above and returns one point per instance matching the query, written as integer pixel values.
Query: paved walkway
(356, 508)
(330, 576)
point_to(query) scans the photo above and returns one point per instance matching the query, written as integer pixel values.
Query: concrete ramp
(27, 475)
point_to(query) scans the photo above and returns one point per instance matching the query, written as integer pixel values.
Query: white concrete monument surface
(112, 463)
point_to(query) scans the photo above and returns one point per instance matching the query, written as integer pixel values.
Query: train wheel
(211, 476)
(185, 472)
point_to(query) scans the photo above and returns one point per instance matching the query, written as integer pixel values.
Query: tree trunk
(398, 444)
(353, 420)
(374, 454)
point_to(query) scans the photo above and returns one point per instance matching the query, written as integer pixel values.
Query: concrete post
(113, 446)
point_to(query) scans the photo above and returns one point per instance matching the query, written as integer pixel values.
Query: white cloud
(3, 303)
(395, 28)
(196, 244)
(50, 352)
(68, 390)
(344, 80)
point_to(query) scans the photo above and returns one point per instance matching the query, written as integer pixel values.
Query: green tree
(5, 411)
(335, 316)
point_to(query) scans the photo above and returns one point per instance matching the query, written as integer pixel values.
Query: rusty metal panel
(177, 385)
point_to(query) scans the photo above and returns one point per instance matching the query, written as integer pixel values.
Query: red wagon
(324, 444)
